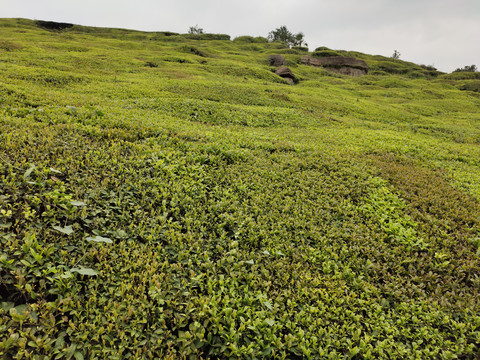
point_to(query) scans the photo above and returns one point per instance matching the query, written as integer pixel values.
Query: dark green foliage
(9, 46)
(282, 34)
(167, 33)
(193, 50)
(394, 68)
(250, 39)
(151, 64)
(206, 36)
(468, 68)
(463, 75)
(260, 39)
(52, 25)
(431, 71)
(398, 67)
(325, 53)
(429, 67)
(300, 48)
(278, 45)
(195, 30)
(471, 86)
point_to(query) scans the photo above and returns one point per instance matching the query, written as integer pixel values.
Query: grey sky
(443, 33)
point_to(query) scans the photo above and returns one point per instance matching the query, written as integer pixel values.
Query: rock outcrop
(339, 64)
(287, 74)
(52, 25)
(277, 60)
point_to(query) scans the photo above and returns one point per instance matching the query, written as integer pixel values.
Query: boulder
(286, 73)
(277, 60)
(340, 64)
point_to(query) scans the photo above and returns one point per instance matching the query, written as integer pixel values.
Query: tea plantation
(167, 196)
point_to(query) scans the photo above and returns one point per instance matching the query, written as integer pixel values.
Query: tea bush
(471, 86)
(325, 53)
(250, 39)
(155, 203)
(206, 36)
(9, 46)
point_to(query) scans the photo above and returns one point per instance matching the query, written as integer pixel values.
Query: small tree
(468, 68)
(195, 30)
(284, 35)
(299, 40)
(396, 55)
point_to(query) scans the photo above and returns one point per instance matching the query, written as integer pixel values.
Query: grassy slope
(249, 218)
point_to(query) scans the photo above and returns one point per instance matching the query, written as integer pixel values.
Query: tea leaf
(268, 305)
(78, 203)
(99, 239)
(55, 171)
(29, 171)
(68, 230)
(84, 271)
(270, 322)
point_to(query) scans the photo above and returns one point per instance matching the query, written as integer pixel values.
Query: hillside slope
(168, 196)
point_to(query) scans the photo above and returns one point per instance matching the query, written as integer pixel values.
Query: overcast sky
(443, 33)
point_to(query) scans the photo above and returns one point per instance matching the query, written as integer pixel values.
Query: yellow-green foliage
(168, 196)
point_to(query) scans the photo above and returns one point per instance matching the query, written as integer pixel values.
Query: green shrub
(468, 68)
(9, 46)
(250, 39)
(176, 59)
(377, 72)
(206, 36)
(151, 64)
(193, 50)
(463, 76)
(282, 34)
(300, 48)
(277, 45)
(470, 86)
(428, 67)
(166, 33)
(393, 68)
(195, 30)
(291, 51)
(325, 53)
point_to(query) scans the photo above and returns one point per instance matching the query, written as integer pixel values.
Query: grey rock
(286, 73)
(277, 60)
(339, 64)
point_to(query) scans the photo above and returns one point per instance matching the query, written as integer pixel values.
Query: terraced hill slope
(169, 196)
